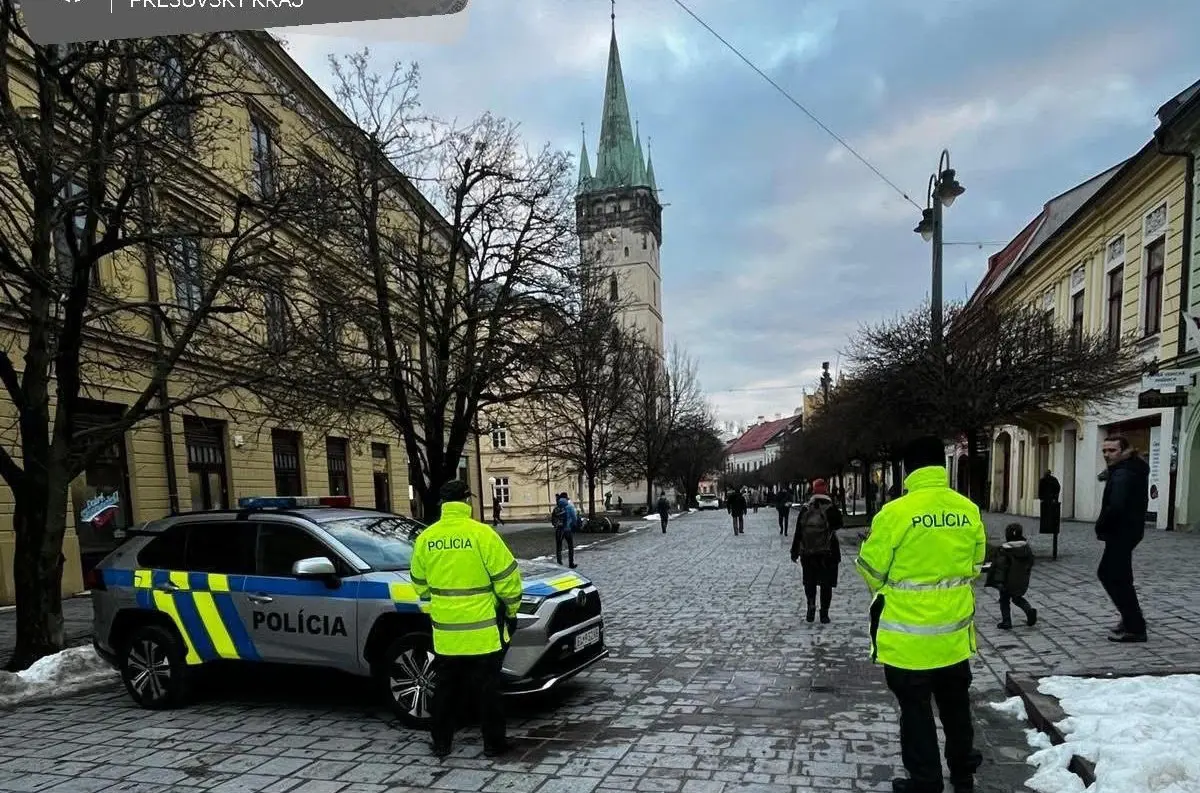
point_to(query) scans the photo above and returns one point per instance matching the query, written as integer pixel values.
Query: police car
(310, 581)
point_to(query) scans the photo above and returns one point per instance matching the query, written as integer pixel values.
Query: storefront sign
(1167, 380)
(1149, 400)
(101, 509)
(1154, 458)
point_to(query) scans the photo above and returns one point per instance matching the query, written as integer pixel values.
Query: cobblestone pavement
(716, 685)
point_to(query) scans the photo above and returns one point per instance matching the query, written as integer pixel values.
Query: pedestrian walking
(565, 520)
(737, 509)
(1049, 489)
(664, 510)
(1121, 526)
(496, 506)
(783, 505)
(474, 590)
(817, 548)
(1010, 574)
(919, 560)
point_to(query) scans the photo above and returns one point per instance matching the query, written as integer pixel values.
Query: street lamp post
(942, 191)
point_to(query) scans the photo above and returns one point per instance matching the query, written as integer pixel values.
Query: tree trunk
(591, 486)
(39, 523)
(649, 493)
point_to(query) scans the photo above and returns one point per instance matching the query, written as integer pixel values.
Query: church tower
(617, 210)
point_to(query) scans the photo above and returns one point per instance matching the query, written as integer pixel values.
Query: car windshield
(384, 542)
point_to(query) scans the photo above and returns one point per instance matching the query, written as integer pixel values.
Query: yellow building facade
(524, 488)
(215, 451)
(1105, 257)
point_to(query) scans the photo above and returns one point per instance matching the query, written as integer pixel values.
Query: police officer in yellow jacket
(920, 560)
(474, 588)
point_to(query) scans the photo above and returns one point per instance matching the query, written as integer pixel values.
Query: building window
(183, 261)
(614, 293)
(262, 151)
(1077, 307)
(337, 460)
(277, 320)
(626, 251)
(1154, 257)
(100, 496)
(74, 209)
(205, 440)
(381, 474)
(285, 448)
(501, 492)
(172, 82)
(330, 326)
(499, 436)
(1116, 294)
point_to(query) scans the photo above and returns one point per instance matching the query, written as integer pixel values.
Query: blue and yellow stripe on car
(553, 586)
(201, 607)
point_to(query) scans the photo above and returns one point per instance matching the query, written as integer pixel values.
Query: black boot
(811, 616)
(1031, 617)
(825, 617)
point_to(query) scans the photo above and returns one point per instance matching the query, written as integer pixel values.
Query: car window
(166, 551)
(226, 547)
(384, 542)
(280, 547)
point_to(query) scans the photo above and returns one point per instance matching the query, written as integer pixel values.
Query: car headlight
(530, 603)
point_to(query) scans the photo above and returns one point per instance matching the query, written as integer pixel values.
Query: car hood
(541, 579)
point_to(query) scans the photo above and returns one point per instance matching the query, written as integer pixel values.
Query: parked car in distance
(708, 501)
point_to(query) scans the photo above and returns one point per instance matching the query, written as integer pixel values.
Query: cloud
(777, 243)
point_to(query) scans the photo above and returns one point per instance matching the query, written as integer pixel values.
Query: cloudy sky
(777, 243)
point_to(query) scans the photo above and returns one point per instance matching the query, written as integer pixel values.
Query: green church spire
(616, 157)
(585, 166)
(639, 174)
(650, 181)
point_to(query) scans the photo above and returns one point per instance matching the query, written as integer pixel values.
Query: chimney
(778, 416)
(761, 419)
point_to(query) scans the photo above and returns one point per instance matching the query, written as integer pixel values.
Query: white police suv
(311, 581)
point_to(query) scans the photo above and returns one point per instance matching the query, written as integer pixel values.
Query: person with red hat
(816, 547)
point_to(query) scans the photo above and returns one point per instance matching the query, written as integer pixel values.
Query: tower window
(613, 292)
(643, 242)
(626, 250)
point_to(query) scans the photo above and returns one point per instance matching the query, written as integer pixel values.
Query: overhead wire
(799, 105)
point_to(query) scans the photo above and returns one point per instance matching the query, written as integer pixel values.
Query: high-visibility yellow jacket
(920, 560)
(468, 573)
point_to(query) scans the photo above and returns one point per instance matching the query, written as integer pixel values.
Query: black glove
(511, 624)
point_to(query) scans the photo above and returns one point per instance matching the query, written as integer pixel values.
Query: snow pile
(1140, 732)
(67, 672)
(653, 516)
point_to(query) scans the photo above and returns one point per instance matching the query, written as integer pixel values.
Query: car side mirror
(315, 567)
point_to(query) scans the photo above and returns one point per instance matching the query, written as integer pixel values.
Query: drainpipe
(168, 436)
(1189, 219)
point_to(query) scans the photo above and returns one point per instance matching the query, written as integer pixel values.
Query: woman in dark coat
(816, 547)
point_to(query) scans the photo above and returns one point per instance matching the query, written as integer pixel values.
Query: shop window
(100, 499)
(337, 459)
(205, 441)
(381, 473)
(285, 447)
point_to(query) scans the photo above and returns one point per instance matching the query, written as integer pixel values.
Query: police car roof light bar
(292, 502)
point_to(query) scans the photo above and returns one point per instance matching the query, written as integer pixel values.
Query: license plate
(587, 638)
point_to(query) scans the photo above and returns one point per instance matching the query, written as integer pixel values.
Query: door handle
(169, 586)
(261, 600)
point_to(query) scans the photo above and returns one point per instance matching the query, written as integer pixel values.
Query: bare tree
(452, 281)
(1000, 365)
(129, 263)
(663, 395)
(578, 417)
(693, 451)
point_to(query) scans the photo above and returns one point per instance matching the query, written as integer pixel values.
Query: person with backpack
(817, 548)
(664, 510)
(1010, 573)
(565, 520)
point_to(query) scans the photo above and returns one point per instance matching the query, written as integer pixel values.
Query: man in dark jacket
(783, 506)
(737, 510)
(817, 549)
(1048, 492)
(663, 507)
(1121, 526)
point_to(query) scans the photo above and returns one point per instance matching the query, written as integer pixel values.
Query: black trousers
(810, 595)
(739, 524)
(464, 683)
(1006, 603)
(664, 518)
(561, 536)
(916, 692)
(1116, 576)
(783, 522)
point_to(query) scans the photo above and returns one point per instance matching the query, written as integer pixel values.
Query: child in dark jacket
(1010, 574)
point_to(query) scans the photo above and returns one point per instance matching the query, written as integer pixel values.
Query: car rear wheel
(408, 675)
(154, 668)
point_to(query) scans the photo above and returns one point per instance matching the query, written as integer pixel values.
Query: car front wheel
(154, 668)
(408, 673)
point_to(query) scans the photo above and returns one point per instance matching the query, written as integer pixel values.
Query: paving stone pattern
(716, 685)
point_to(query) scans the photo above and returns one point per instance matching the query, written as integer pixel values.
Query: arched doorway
(1001, 479)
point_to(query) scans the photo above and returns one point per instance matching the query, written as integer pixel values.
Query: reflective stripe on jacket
(920, 560)
(468, 574)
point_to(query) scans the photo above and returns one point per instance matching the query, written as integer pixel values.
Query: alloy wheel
(149, 670)
(412, 681)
